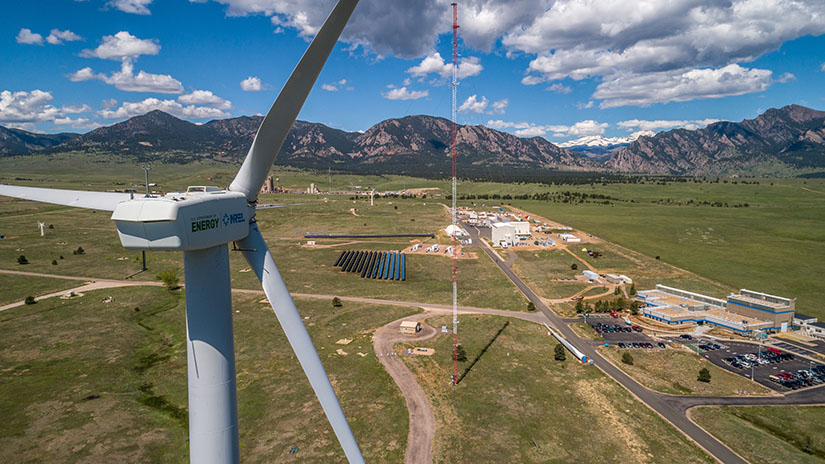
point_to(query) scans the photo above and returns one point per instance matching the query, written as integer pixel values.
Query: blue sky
(562, 69)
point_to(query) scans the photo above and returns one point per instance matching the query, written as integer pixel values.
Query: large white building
(521, 228)
(502, 233)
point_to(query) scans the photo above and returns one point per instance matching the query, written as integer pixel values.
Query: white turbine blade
(260, 259)
(106, 201)
(282, 114)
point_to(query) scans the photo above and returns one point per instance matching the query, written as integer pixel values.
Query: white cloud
(126, 80)
(131, 6)
(681, 85)
(585, 128)
(83, 74)
(24, 110)
(522, 129)
(76, 109)
(77, 123)
(628, 40)
(639, 35)
(251, 84)
(473, 104)
(404, 29)
(122, 45)
(785, 78)
(130, 109)
(559, 88)
(27, 107)
(333, 87)
(205, 97)
(109, 103)
(433, 63)
(26, 36)
(658, 125)
(500, 105)
(56, 37)
(822, 68)
(402, 93)
(528, 129)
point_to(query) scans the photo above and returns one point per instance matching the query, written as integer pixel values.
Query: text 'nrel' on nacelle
(202, 217)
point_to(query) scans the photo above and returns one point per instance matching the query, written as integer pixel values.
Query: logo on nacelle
(211, 221)
(232, 218)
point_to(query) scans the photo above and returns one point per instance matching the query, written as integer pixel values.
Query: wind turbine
(201, 222)
(372, 195)
(41, 225)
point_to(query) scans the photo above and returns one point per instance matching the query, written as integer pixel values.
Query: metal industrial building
(745, 312)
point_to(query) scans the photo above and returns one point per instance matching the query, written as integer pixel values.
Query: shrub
(530, 306)
(704, 375)
(558, 353)
(634, 308)
(632, 291)
(61, 256)
(579, 306)
(460, 353)
(30, 300)
(22, 260)
(51, 226)
(169, 278)
(336, 302)
(627, 358)
(574, 266)
(54, 262)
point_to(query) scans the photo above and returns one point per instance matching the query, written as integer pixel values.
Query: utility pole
(146, 175)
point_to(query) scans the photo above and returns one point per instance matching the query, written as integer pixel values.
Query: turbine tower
(201, 222)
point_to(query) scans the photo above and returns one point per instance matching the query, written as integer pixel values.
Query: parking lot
(615, 331)
(782, 365)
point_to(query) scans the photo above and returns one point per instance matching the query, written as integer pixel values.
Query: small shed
(410, 327)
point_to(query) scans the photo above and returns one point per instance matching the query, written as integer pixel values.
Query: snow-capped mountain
(598, 147)
(599, 141)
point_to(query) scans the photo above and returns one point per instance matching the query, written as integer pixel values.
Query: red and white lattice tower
(455, 209)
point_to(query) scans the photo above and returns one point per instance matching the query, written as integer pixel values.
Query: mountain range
(780, 141)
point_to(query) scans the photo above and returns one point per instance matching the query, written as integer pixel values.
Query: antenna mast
(455, 209)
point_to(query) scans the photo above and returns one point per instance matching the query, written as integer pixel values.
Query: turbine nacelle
(201, 217)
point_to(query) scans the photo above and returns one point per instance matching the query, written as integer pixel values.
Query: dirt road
(422, 419)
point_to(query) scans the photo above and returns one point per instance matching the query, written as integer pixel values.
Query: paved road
(655, 401)
(672, 408)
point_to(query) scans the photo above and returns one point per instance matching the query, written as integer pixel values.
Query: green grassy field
(307, 270)
(15, 288)
(87, 381)
(518, 405)
(768, 434)
(774, 246)
(675, 372)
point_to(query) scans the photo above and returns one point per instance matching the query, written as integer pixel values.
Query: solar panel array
(384, 265)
